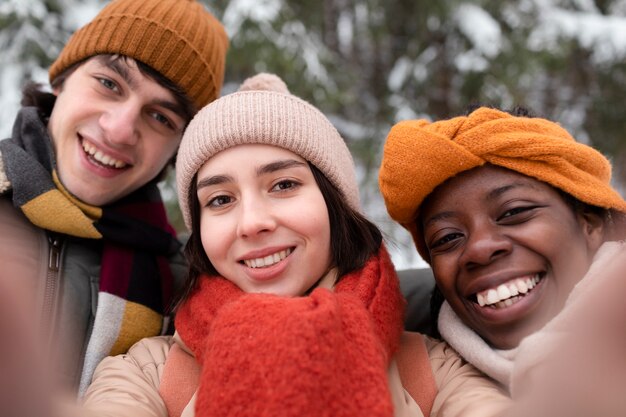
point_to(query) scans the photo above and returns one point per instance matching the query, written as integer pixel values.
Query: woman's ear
(594, 225)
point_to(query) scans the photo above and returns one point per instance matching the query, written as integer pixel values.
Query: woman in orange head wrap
(515, 218)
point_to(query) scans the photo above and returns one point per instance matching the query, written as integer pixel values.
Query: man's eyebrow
(120, 67)
(173, 106)
(122, 70)
(214, 180)
(278, 165)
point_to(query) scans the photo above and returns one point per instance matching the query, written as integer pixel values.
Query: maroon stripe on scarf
(116, 271)
(153, 213)
(167, 283)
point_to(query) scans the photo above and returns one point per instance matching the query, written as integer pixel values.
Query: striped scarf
(135, 278)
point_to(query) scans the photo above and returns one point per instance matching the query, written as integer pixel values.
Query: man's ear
(594, 226)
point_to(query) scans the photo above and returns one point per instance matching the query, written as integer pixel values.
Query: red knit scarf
(325, 354)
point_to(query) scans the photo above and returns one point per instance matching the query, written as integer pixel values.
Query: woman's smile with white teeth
(267, 260)
(507, 294)
(100, 157)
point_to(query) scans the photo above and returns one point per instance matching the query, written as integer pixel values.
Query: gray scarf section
(5, 184)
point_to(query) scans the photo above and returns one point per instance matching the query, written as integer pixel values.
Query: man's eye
(108, 83)
(163, 120)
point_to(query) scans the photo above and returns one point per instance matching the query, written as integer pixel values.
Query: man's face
(113, 129)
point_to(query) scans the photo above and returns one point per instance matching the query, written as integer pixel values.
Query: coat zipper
(52, 284)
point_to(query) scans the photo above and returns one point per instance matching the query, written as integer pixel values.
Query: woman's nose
(484, 246)
(256, 217)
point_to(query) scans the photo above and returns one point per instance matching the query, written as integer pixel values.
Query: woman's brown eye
(445, 239)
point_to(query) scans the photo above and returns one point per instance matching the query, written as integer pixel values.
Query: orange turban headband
(419, 156)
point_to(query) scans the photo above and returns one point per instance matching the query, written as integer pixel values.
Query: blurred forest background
(370, 63)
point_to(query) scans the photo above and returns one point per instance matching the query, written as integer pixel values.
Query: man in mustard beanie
(83, 231)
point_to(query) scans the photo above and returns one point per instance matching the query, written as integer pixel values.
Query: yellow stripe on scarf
(94, 213)
(53, 211)
(138, 322)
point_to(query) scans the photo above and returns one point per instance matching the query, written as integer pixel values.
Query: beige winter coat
(128, 385)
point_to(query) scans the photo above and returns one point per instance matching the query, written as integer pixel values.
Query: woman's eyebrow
(497, 192)
(439, 216)
(278, 165)
(264, 169)
(492, 195)
(214, 180)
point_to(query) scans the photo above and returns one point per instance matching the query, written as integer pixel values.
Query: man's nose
(120, 123)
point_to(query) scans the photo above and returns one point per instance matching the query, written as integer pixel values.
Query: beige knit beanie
(177, 38)
(263, 111)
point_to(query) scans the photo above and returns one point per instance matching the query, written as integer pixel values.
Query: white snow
(604, 36)
(480, 28)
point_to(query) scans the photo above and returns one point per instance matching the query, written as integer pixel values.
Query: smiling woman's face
(264, 221)
(506, 250)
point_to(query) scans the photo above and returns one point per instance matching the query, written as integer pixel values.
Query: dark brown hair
(353, 238)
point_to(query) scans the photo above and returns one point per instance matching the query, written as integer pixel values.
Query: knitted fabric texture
(178, 38)
(136, 282)
(272, 117)
(325, 354)
(5, 184)
(419, 156)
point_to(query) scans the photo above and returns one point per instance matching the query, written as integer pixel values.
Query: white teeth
(522, 286)
(492, 297)
(480, 299)
(503, 292)
(508, 292)
(99, 156)
(267, 260)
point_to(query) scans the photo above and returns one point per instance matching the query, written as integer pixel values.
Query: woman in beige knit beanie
(293, 307)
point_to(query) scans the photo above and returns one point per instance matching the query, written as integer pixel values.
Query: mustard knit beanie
(419, 156)
(177, 38)
(264, 112)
